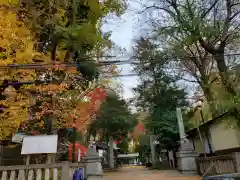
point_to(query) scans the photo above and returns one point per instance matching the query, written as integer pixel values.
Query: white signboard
(46, 144)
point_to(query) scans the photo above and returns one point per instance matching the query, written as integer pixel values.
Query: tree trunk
(111, 153)
(227, 82)
(224, 74)
(54, 50)
(209, 96)
(69, 55)
(218, 54)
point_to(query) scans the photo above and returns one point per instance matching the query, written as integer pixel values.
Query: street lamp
(205, 131)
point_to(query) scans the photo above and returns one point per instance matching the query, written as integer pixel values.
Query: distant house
(221, 133)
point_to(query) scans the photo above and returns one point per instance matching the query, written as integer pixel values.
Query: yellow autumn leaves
(16, 47)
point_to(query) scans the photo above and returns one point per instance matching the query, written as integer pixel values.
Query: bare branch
(235, 4)
(187, 80)
(149, 7)
(157, 8)
(234, 15)
(209, 9)
(226, 23)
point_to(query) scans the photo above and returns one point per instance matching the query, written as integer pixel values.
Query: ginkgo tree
(16, 46)
(70, 27)
(44, 33)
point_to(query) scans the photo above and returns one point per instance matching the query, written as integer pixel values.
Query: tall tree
(16, 46)
(192, 64)
(70, 26)
(56, 88)
(114, 121)
(211, 24)
(158, 93)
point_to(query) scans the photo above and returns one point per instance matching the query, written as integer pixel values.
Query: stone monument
(186, 155)
(93, 166)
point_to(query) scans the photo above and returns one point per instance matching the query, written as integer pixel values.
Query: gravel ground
(141, 173)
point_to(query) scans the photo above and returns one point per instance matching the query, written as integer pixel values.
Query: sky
(124, 30)
(123, 33)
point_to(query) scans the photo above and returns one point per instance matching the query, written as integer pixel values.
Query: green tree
(124, 145)
(143, 146)
(212, 24)
(114, 121)
(158, 93)
(202, 31)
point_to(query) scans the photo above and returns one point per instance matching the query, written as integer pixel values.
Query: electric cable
(134, 60)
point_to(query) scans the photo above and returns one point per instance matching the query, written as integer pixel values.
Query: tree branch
(191, 81)
(208, 47)
(215, 79)
(234, 15)
(156, 7)
(226, 24)
(208, 10)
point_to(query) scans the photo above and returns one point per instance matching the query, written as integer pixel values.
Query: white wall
(224, 137)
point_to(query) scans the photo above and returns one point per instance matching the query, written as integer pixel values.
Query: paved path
(141, 173)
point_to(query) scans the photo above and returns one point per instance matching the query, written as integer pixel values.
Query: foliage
(71, 26)
(143, 146)
(200, 34)
(16, 46)
(42, 32)
(113, 119)
(160, 92)
(124, 145)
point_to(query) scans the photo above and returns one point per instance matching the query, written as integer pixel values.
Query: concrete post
(94, 169)
(153, 153)
(65, 170)
(111, 153)
(186, 154)
(180, 124)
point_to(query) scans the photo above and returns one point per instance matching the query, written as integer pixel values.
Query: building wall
(202, 146)
(223, 136)
(198, 145)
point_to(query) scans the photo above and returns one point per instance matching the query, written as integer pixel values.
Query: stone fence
(58, 171)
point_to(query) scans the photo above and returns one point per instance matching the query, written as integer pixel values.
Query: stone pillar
(111, 153)
(94, 169)
(186, 154)
(153, 153)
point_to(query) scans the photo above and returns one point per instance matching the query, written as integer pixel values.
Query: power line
(65, 81)
(131, 60)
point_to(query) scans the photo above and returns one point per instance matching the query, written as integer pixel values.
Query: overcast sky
(123, 32)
